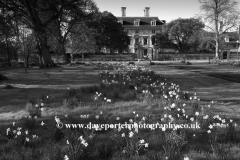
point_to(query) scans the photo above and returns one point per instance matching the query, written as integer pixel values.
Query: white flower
(186, 158)
(123, 135)
(184, 105)
(183, 110)
(134, 112)
(65, 157)
(13, 123)
(192, 119)
(100, 112)
(130, 120)
(131, 134)
(42, 123)
(97, 116)
(42, 109)
(170, 116)
(165, 115)
(223, 121)
(231, 120)
(173, 105)
(146, 145)
(178, 109)
(36, 105)
(27, 139)
(42, 104)
(209, 106)
(67, 142)
(197, 113)
(117, 118)
(26, 132)
(163, 129)
(209, 131)
(142, 141)
(210, 126)
(136, 115)
(57, 119)
(205, 117)
(109, 100)
(143, 118)
(19, 133)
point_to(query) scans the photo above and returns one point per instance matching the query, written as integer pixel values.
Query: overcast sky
(163, 9)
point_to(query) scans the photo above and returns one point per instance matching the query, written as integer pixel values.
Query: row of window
(137, 23)
(145, 41)
(137, 31)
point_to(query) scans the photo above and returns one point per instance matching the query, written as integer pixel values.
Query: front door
(145, 54)
(225, 54)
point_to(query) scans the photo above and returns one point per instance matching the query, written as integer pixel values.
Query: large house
(140, 30)
(231, 48)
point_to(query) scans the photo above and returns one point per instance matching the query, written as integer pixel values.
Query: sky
(163, 9)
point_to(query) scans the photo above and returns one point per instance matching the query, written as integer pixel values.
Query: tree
(110, 34)
(179, 34)
(219, 16)
(70, 13)
(7, 31)
(81, 40)
(36, 15)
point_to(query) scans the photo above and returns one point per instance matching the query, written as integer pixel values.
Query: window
(234, 46)
(137, 31)
(153, 23)
(136, 23)
(153, 31)
(145, 41)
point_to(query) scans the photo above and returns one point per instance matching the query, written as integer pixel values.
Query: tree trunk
(8, 53)
(47, 61)
(63, 52)
(217, 47)
(217, 34)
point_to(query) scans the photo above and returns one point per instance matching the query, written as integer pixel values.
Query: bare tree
(220, 16)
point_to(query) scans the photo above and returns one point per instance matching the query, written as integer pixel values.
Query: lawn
(42, 82)
(182, 94)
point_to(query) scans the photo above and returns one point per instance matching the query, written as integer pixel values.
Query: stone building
(140, 30)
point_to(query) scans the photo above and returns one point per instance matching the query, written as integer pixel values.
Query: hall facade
(141, 31)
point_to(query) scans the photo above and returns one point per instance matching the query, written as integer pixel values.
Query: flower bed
(162, 103)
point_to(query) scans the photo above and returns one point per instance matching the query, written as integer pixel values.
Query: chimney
(146, 11)
(123, 11)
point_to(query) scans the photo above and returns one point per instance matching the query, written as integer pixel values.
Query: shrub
(130, 95)
(29, 122)
(2, 77)
(34, 107)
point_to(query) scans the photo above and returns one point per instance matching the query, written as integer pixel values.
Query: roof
(145, 22)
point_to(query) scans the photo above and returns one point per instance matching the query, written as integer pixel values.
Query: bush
(130, 95)
(2, 77)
